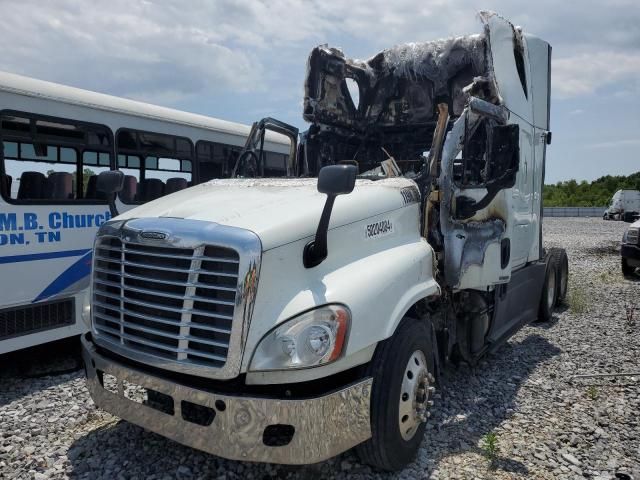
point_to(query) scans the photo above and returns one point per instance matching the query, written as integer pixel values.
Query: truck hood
(279, 211)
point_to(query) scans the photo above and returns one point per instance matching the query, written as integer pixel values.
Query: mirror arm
(112, 205)
(316, 250)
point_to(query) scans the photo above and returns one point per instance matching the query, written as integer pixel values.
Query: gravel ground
(517, 415)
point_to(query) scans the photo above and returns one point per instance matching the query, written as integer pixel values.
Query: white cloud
(168, 51)
(584, 74)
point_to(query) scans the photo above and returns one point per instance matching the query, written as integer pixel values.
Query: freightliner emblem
(153, 235)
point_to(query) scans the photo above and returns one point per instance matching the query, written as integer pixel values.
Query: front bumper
(323, 426)
(631, 253)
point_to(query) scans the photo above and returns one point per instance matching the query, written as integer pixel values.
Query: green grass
(609, 276)
(578, 301)
(489, 445)
(592, 392)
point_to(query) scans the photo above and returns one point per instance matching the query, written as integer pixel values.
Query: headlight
(631, 235)
(314, 338)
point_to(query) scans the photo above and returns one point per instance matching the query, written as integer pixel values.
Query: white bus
(55, 140)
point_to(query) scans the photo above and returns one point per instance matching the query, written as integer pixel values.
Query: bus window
(154, 164)
(43, 158)
(92, 164)
(174, 173)
(130, 165)
(215, 160)
(40, 172)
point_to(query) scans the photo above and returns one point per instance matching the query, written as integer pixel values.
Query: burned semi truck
(288, 320)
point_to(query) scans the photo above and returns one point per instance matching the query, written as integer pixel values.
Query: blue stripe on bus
(42, 256)
(71, 275)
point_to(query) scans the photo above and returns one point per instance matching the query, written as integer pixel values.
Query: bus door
(49, 213)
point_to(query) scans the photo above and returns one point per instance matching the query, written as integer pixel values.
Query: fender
(379, 284)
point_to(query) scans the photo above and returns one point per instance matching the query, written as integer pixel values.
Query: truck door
(486, 244)
(510, 58)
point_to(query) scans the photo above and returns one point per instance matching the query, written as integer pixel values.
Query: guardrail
(574, 211)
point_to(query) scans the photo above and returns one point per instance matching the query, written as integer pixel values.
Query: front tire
(627, 269)
(402, 370)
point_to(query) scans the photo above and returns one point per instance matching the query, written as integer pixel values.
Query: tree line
(588, 194)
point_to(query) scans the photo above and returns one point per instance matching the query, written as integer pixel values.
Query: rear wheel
(626, 268)
(402, 370)
(548, 298)
(559, 257)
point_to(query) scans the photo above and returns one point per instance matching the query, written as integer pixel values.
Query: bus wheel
(402, 370)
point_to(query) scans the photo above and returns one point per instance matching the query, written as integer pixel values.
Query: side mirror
(337, 179)
(333, 180)
(110, 183)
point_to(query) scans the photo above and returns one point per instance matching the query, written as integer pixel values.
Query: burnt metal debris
(423, 104)
(399, 90)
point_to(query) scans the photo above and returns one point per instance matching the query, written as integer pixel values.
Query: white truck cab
(624, 205)
(288, 320)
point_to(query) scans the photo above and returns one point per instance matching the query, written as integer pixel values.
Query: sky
(242, 60)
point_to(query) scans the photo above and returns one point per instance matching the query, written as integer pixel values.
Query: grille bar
(128, 263)
(160, 306)
(182, 257)
(161, 346)
(161, 333)
(170, 302)
(163, 321)
(167, 282)
(169, 295)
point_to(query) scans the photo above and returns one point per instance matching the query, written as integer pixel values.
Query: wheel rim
(414, 395)
(551, 288)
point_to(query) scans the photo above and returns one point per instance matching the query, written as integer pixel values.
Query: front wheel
(626, 268)
(402, 370)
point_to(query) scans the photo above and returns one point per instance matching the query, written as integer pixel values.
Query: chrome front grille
(163, 301)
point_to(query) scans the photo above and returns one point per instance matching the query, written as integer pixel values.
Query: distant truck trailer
(624, 205)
